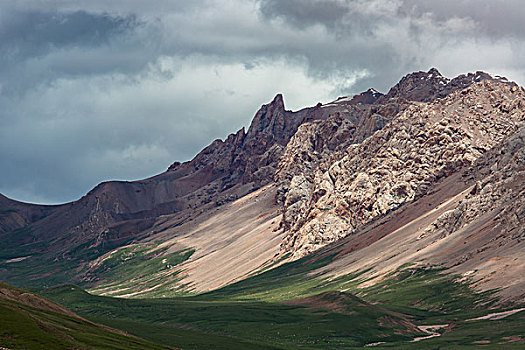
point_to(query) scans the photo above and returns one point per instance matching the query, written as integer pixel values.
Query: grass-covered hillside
(30, 322)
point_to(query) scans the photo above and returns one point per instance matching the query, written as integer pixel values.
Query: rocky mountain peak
(277, 102)
(267, 117)
(373, 91)
(434, 71)
(427, 86)
(368, 97)
(419, 86)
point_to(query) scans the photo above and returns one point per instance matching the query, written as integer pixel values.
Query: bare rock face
(419, 86)
(428, 86)
(399, 163)
(316, 143)
(312, 143)
(500, 187)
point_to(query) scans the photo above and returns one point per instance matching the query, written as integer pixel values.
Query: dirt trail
(497, 315)
(431, 331)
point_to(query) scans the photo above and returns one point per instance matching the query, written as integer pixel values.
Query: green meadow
(290, 308)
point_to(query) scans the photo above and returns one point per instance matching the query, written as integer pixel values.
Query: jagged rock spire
(277, 102)
(435, 71)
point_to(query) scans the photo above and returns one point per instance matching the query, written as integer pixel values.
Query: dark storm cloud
(303, 13)
(38, 47)
(96, 90)
(494, 18)
(391, 37)
(33, 33)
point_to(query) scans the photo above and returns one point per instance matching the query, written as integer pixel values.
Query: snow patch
(344, 99)
(17, 259)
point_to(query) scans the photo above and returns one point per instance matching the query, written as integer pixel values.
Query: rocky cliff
(340, 184)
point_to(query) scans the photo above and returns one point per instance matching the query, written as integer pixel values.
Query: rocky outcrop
(428, 86)
(398, 163)
(500, 186)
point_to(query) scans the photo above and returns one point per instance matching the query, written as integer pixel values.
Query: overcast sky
(98, 90)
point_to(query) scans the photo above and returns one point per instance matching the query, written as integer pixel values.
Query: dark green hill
(28, 321)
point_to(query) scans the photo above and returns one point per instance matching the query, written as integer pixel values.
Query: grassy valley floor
(289, 308)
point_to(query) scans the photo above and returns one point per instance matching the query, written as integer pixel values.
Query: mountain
(384, 220)
(294, 183)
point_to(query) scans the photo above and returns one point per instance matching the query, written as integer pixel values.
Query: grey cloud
(40, 31)
(96, 90)
(494, 18)
(149, 8)
(305, 13)
(391, 37)
(38, 47)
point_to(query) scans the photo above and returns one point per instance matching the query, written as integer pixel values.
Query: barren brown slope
(230, 242)
(234, 243)
(15, 215)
